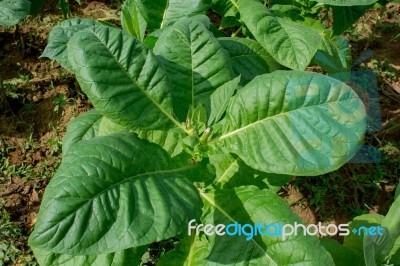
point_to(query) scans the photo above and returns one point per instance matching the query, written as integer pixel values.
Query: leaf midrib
(231, 219)
(232, 164)
(236, 131)
(87, 201)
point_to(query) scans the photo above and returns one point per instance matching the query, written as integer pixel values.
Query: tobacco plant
(295, 33)
(367, 249)
(189, 126)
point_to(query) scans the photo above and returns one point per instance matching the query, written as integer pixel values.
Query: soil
(31, 127)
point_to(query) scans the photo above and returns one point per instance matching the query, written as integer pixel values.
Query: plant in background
(183, 128)
(63, 5)
(13, 12)
(281, 26)
(368, 249)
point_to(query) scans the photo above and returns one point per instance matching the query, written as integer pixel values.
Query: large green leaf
(295, 123)
(195, 62)
(347, 2)
(132, 20)
(163, 13)
(59, 36)
(249, 58)
(283, 39)
(345, 16)
(249, 205)
(126, 257)
(13, 12)
(83, 127)
(114, 192)
(342, 255)
(355, 241)
(122, 78)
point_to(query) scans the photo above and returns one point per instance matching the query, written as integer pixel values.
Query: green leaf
(83, 127)
(170, 140)
(195, 62)
(112, 193)
(226, 164)
(355, 241)
(249, 58)
(394, 253)
(342, 255)
(163, 13)
(249, 205)
(228, 10)
(127, 257)
(392, 218)
(108, 127)
(246, 176)
(13, 12)
(294, 123)
(132, 20)
(282, 38)
(122, 78)
(333, 55)
(198, 118)
(59, 36)
(274, 181)
(345, 16)
(232, 172)
(312, 23)
(397, 193)
(36, 6)
(347, 2)
(220, 99)
(190, 251)
(152, 38)
(289, 11)
(376, 248)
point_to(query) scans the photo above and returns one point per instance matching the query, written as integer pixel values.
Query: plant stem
(236, 32)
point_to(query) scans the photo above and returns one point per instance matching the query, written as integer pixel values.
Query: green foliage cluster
(13, 12)
(188, 125)
(367, 249)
